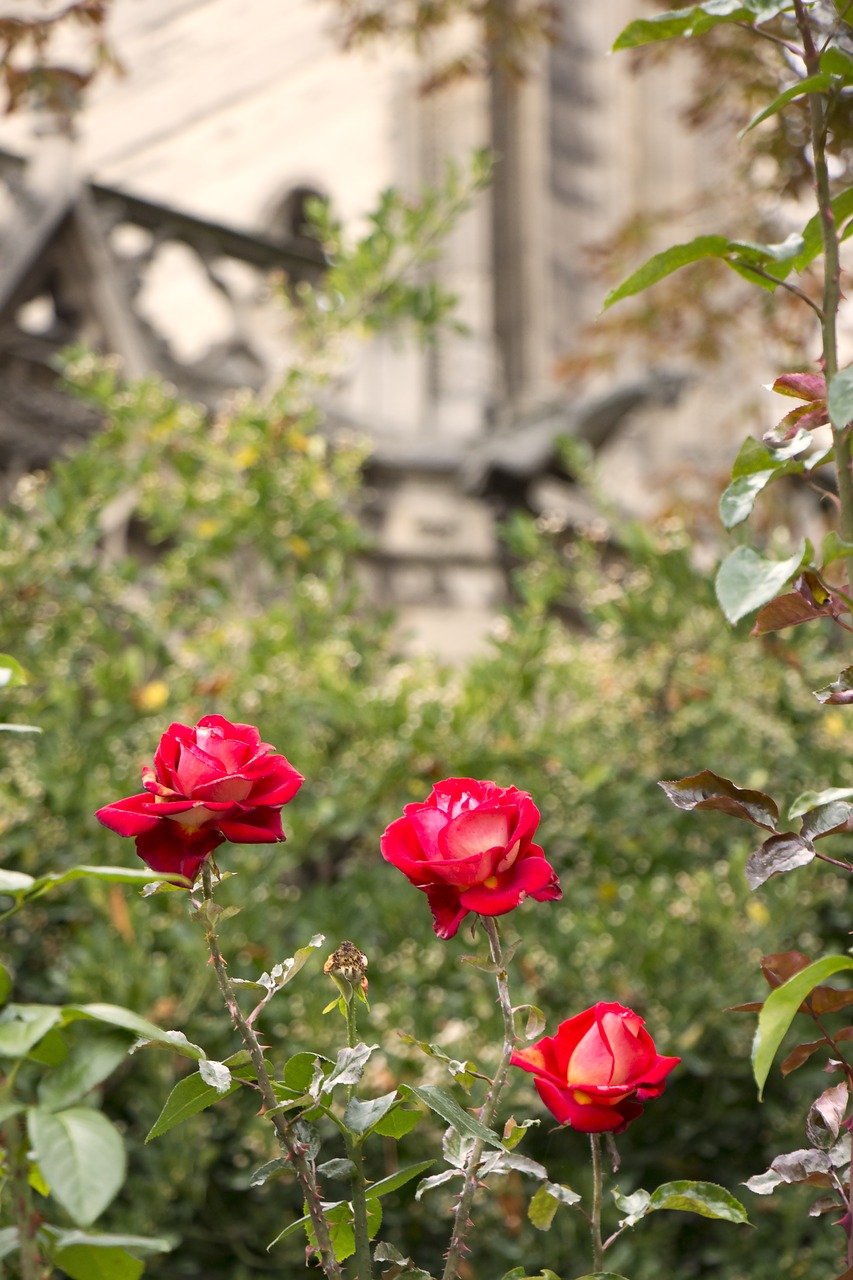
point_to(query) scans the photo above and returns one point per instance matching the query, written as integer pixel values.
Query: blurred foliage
(234, 589)
(39, 63)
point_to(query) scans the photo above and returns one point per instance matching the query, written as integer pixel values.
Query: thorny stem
(831, 277)
(597, 1190)
(292, 1148)
(486, 1114)
(30, 1261)
(362, 1261)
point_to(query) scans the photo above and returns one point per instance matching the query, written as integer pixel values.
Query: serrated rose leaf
(704, 1198)
(813, 799)
(802, 386)
(778, 855)
(707, 790)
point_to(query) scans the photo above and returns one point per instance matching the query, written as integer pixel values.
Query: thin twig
(486, 1114)
(293, 1149)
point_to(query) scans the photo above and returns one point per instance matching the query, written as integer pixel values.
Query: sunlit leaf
(696, 19)
(189, 1096)
(82, 1157)
(746, 581)
(781, 1006)
(818, 83)
(704, 1198)
(663, 264)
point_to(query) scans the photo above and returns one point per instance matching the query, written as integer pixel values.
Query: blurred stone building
(153, 236)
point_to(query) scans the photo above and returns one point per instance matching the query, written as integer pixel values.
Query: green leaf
(836, 62)
(66, 1239)
(86, 1065)
(399, 1179)
(189, 1096)
(349, 1067)
(813, 84)
(696, 19)
(216, 1074)
(97, 1262)
(14, 882)
(8, 1241)
(81, 1155)
(398, 1123)
(543, 1207)
(5, 985)
(531, 1026)
(450, 1111)
(839, 398)
(11, 672)
(600, 1275)
(704, 1198)
(842, 208)
(746, 581)
(663, 264)
(833, 548)
(281, 1164)
(22, 1026)
(299, 1070)
(632, 1207)
(779, 1008)
(738, 499)
(362, 1113)
(808, 800)
(115, 1016)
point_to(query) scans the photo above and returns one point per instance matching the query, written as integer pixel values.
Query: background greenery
(237, 593)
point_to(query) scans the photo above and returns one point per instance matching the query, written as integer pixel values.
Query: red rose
(598, 1070)
(470, 848)
(209, 784)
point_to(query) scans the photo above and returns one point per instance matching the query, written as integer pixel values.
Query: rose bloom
(598, 1070)
(209, 784)
(469, 847)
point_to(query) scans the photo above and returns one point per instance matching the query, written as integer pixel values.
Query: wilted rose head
(598, 1069)
(469, 847)
(211, 783)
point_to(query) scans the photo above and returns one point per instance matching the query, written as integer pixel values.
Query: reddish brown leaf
(777, 856)
(800, 1054)
(782, 965)
(707, 790)
(802, 386)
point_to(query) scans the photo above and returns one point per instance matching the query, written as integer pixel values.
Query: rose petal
(171, 848)
(256, 826)
(586, 1117)
(446, 912)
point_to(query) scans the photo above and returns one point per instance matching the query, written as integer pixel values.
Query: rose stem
(32, 1267)
(595, 1216)
(486, 1114)
(361, 1259)
(292, 1148)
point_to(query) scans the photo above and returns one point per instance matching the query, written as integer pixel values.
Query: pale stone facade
(226, 106)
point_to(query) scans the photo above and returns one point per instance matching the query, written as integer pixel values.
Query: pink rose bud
(469, 847)
(209, 784)
(598, 1070)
